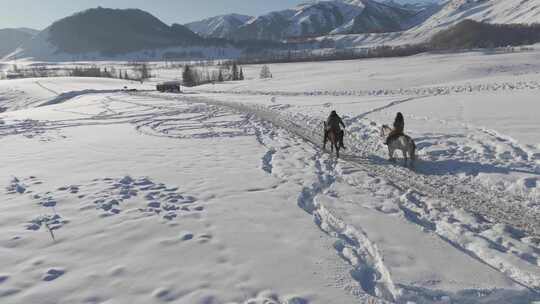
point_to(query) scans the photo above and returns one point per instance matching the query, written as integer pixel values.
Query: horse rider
(399, 127)
(334, 122)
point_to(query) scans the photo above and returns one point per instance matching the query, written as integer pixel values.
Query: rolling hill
(10, 39)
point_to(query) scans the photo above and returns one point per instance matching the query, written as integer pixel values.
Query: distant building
(169, 86)
(14, 75)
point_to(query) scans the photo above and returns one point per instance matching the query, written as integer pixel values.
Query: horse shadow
(445, 167)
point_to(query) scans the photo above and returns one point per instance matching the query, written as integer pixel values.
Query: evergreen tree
(220, 76)
(235, 72)
(188, 77)
(241, 77)
(144, 72)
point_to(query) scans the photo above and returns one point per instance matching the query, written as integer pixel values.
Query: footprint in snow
(53, 274)
(204, 238)
(3, 278)
(164, 295)
(268, 297)
(187, 236)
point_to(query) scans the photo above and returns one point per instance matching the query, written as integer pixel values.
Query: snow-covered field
(224, 195)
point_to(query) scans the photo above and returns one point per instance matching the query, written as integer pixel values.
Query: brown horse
(332, 136)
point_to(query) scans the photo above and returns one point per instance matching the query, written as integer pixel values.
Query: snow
(26, 93)
(223, 194)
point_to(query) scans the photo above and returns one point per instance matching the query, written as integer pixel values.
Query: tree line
(194, 76)
(469, 34)
(135, 72)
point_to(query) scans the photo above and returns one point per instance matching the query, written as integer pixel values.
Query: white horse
(403, 143)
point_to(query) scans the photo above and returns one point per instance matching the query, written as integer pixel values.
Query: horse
(332, 136)
(403, 143)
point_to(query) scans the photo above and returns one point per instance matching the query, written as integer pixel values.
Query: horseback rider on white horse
(395, 139)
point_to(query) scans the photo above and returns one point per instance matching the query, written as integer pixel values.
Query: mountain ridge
(314, 18)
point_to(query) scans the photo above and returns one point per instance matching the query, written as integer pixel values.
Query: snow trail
(360, 247)
(415, 91)
(354, 245)
(494, 205)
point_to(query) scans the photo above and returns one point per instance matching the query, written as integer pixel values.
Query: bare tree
(265, 72)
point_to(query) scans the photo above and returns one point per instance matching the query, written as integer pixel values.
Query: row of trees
(139, 72)
(194, 76)
(135, 72)
(469, 34)
(310, 55)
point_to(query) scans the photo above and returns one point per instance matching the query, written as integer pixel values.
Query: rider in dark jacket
(334, 122)
(399, 127)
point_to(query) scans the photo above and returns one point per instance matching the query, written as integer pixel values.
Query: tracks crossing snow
(496, 206)
(356, 247)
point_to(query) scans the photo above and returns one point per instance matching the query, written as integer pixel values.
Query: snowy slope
(29, 93)
(220, 26)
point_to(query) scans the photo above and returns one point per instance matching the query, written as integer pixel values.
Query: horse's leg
(391, 153)
(325, 140)
(405, 160)
(412, 156)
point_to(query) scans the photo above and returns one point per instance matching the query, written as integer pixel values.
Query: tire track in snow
(415, 91)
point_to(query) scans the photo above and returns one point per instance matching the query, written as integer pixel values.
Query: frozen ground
(223, 195)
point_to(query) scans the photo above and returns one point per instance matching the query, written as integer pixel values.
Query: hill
(10, 39)
(103, 32)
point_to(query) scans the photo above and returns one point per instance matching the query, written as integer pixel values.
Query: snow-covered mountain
(105, 33)
(309, 19)
(491, 11)
(413, 4)
(436, 18)
(11, 39)
(220, 26)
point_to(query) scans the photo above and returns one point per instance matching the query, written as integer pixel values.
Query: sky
(38, 14)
